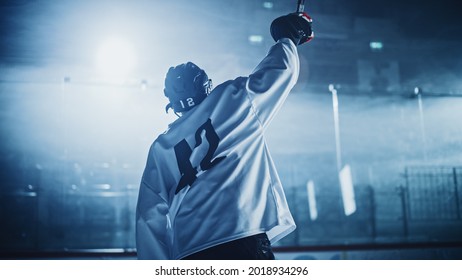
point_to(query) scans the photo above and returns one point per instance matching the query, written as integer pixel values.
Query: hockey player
(210, 189)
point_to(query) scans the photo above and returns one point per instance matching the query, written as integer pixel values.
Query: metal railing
(426, 206)
(433, 193)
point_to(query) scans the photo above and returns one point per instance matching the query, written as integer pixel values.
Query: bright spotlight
(115, 58)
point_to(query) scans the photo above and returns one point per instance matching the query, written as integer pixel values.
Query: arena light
(255, 39)
(115, 58)
(376, 45)
(268, 5)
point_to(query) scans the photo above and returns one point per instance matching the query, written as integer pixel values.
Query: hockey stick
(300, 6)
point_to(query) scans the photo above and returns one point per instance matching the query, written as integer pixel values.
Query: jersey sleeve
(271, 81)
(151, 226)
(152, 218)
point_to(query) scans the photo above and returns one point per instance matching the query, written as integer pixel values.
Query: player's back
(220, 179)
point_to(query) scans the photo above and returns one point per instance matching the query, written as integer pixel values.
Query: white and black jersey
(210, 179)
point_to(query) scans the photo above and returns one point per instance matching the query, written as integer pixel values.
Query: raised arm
(274, 77)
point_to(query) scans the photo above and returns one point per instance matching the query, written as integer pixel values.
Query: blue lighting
(255, 39)
(376, 45)
(268, 5)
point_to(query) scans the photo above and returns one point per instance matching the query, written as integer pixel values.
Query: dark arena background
(368, 145)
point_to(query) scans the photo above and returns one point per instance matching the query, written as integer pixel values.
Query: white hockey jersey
(209, 178)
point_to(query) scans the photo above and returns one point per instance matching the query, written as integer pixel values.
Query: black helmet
(186, 86)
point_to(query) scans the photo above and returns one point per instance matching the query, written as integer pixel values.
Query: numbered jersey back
(212, 170)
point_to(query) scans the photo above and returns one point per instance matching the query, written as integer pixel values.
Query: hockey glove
(295, 26)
